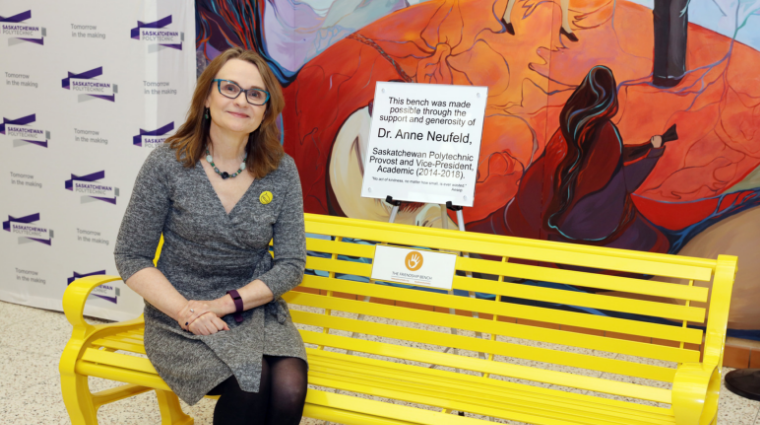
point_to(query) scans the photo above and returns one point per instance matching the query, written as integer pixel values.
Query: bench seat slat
(357, 411)
(352, 403)
(457, 384)
(143, 366)
(543, 355)
(330, 414)
(541, 251)
(502, 407)
(552, 336)
(524, 412)
(119, 345)
(652, 330)
(127, 339)
(590, 280)
(487, 388)
(121, 361)
(582, 299)
(624, 389)
(151, 380)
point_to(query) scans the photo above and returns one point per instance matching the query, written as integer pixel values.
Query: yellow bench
(517, 355)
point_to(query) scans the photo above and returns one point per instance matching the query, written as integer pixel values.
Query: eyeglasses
(231, 90)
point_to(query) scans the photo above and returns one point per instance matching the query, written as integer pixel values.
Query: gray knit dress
(206, 253)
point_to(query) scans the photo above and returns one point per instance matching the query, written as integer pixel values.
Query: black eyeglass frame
(218, 82)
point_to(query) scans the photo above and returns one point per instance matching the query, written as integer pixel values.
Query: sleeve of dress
(633, 153)
(144, 218)
(289, 236)
(639, 161)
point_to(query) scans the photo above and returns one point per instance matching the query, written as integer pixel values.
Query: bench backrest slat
(523, 271)
(526, 249)
(423, 356)
(496, 327)
(588, 280)
(518, 311)
(442, 339)
(596, 301)
(581, 299)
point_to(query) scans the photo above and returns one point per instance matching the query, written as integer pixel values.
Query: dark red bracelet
(238, 315)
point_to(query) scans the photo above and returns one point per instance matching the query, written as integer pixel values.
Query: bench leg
(78, 400)
(171, 412)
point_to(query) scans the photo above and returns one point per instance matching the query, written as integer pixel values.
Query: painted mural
(628, 124)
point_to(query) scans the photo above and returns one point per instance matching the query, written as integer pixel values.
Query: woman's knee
(289, 382)
(291, 388)
(290, 398)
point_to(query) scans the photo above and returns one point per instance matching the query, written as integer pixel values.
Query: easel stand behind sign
(460, 224)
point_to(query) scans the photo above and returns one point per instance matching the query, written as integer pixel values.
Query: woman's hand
(656, 141)
(207, 324)
(194, 309)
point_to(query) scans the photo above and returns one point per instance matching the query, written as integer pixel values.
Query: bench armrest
(696, 388)
(697, 385)
(76, 296)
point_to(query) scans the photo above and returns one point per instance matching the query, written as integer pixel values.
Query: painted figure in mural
(580, 189)
(564, 29)
(671, 20)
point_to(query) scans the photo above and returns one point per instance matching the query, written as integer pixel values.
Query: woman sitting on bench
(218, 191)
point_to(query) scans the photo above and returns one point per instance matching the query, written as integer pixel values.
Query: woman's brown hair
(264, 148)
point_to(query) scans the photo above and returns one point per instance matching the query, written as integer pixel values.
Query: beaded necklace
(225, 175)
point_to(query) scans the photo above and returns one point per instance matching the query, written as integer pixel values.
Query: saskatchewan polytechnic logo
(158, 35)
(91, 190)
(24, 135)
(88, 88)
(26, 229)
(152, 138)
(107, 292)
(17, 31)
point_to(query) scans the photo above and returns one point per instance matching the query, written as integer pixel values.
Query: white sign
(424, 143)
(416, 267)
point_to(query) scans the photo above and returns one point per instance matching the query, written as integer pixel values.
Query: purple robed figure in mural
(580, 189)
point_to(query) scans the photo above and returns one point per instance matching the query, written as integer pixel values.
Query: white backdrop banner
(88, 88)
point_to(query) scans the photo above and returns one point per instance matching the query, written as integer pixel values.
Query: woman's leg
(238, 407)
(288, 390)
(565, 7)
(507, 18)
(565, 29)
(508, 13)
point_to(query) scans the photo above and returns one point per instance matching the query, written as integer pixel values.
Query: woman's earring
(206, 114)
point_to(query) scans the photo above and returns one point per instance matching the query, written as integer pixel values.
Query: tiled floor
(31, 342)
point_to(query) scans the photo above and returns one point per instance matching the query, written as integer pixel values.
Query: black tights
(280, 399)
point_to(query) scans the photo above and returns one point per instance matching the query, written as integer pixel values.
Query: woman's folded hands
(203, 317)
